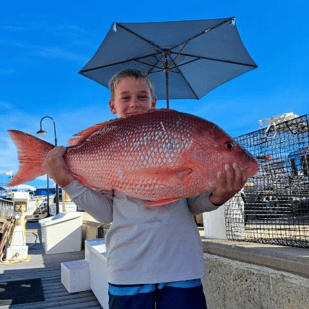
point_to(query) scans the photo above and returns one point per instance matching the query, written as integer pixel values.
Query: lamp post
(42, 132)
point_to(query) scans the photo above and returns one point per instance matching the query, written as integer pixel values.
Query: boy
(155, 255)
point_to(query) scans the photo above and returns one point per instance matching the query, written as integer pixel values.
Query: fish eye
(229, 145)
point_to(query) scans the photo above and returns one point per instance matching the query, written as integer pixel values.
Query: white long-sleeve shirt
(147, 244)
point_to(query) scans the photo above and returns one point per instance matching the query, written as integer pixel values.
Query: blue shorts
(181, 295)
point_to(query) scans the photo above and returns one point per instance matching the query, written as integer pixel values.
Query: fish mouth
(251, 169)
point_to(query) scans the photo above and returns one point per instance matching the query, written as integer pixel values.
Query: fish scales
(140, 143)
(157, 156)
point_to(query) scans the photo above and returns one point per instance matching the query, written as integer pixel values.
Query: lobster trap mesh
(273, 207)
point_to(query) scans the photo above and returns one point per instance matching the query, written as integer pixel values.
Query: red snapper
(159, 156)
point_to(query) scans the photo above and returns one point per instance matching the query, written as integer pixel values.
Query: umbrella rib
(218, 60)
(116, 63)
(181, 65)
(151, 65)
(137, 35)
(177, 54)
(203, 32)
(189, 85)
(179, 71)
(159, 59)
(155, 65)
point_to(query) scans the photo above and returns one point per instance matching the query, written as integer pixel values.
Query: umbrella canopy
(184, 59)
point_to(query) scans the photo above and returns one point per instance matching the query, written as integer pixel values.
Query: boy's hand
(229, 183)
(57, 168)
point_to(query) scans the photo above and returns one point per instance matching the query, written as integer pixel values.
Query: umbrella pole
(166, 82)
(166, 53)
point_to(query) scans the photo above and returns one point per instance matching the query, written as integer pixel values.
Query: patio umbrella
(184, 59)
(23, 188)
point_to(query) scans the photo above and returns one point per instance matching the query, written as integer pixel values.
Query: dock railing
(6, 208)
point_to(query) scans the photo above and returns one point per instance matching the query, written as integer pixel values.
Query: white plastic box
(214, 223)
(69, 207)
(75, 276)
(62, 233)
(95, 253)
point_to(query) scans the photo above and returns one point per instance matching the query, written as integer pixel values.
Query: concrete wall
(251, 275)
(230, 284)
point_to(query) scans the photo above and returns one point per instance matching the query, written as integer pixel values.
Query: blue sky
(43, 44)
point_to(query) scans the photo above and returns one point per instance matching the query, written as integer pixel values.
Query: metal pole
(57, 187)
(44, 132)
(167, 94)
(48, 193)
(166, 53)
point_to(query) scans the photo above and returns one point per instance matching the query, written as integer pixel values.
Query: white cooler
(62, 233)
(96, 255)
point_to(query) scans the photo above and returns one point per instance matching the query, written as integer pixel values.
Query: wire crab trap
(273, 207)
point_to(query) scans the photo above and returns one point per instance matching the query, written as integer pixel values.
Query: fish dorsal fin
(81, 136)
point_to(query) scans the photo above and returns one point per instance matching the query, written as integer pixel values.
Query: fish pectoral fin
(163, 174)
(162, 201)
(181, 173)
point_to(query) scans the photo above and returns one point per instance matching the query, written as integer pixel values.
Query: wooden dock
(48, 268)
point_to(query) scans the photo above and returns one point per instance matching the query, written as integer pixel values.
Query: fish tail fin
(32, 152)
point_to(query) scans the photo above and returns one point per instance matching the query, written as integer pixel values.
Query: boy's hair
(114, 81)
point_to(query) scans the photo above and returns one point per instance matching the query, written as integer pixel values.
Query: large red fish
(159, 156)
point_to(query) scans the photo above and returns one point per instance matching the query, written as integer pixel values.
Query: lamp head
(41, 132)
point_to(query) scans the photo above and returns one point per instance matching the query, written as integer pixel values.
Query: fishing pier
(255, 246)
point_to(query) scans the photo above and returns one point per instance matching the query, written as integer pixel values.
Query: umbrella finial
(166, 53)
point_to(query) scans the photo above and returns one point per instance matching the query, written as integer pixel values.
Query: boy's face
(131, 96)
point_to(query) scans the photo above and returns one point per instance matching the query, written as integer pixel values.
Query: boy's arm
(228, 184)
(97, 204)
(201, 203)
